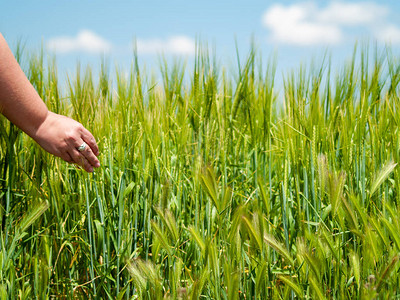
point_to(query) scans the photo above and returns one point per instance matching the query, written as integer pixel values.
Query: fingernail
(90, 169)
(97, 164)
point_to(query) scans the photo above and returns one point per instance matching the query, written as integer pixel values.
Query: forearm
(19, 101)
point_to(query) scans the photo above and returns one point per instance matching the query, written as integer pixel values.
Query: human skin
(22, 105)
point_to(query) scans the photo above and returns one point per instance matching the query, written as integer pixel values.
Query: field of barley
(216, 183)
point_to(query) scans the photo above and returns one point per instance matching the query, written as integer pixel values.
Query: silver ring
(82, 147)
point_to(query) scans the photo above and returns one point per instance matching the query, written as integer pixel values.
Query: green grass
(213, 185)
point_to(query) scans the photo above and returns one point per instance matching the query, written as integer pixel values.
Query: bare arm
(19, 101)
(21, 104)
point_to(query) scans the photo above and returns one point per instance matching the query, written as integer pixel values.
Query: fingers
(65, 156)
(90, 156)
(79, 159)
(89, 139)
(86, 157)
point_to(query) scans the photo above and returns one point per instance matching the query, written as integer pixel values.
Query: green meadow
(216, 183)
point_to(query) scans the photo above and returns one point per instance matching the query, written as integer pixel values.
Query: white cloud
(181, 45)
(306, 24)
(361, 13)
(85, 41)
(296, 25)
(389, 34)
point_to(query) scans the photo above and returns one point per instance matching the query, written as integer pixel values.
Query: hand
(61, 136)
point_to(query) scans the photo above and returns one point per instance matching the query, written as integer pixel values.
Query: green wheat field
(216, 183)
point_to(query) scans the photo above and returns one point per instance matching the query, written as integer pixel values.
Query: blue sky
(297, 30)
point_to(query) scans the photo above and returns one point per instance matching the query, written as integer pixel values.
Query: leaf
(161, 237)
(207, 179)
(264, 196)
(316, 287)
(128, 189)
(252, 231)
(198, 239)
(355, 262)
(386, 272)
(382, 176)
(261, 276)
(394, 232)
(33, 215)
(198, 285)
(270, 240)
(169, 222)
(293, 285)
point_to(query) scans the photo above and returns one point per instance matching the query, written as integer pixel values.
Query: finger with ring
(82, 147)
